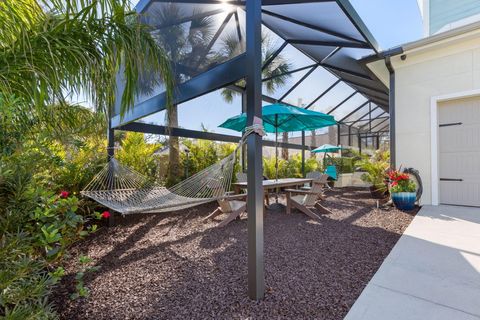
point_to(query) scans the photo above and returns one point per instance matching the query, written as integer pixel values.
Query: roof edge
(475, 26)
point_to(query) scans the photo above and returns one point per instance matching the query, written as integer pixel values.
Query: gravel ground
(174, 266)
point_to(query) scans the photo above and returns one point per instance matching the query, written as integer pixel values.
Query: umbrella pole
(276, 156)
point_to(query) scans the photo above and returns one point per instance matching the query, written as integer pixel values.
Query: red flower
(105, 214)
(64, 194)
(394, 183)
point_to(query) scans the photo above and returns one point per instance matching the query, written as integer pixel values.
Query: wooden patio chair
(231, 205)
(305, 200)
(315, 175)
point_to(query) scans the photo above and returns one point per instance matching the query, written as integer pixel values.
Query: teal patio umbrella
(283, 118)
(327, 148)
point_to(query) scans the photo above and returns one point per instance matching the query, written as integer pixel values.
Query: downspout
(391, 99)
(391, 110)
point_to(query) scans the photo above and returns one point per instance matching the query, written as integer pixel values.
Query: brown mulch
(174, 266)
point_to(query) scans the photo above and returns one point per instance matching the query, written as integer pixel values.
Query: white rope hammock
(126, 191)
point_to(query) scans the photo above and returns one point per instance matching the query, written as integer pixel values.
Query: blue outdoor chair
(331, 171)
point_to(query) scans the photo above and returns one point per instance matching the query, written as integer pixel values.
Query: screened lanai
(311, 47)
(304, 53)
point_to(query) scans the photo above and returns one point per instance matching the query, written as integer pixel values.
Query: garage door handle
(450, 124)
(447, 179)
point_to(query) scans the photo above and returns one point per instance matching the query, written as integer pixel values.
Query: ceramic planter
(404, 200)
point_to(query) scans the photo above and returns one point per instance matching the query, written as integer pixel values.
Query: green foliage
(375, 169)
(404, 186)
(136, 153)
(36, 229)
(291, 168)
(343, 164)
(80, 290)
(202, 154)
(49, 47)
(401, 182)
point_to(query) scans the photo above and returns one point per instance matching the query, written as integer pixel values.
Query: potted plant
(375, 173)
(403, 190)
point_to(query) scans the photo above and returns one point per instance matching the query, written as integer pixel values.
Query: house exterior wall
(447, 67)
(443, 15)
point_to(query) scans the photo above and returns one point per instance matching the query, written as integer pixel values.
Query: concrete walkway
(433, 272)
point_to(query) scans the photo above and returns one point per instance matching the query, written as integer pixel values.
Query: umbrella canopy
(283, 118)
(327, 148)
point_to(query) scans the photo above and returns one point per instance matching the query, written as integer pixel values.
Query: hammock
(126, 191)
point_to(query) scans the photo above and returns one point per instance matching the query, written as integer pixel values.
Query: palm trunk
(174, 148)
(284, 149)
(313, 143)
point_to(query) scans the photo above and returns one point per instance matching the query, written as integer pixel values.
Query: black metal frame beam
(342, 44)
(298, 82)
(342, 102)
(323, 93)
(143, 3)
(378, 124)
(358, 23)
(366, 114)
(382, 129)
(353, 111)
(274, 55)
(218, 77)
(290, 72)
(311, 26)
(373, 119)
(199, 15)
(202, 135)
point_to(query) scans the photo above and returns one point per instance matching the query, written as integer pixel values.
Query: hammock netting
(126, 191)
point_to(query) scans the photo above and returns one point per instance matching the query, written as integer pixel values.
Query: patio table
(274, 184)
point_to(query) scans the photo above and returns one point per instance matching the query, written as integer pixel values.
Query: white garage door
(459, 144)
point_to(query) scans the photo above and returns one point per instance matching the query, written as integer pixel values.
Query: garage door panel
(460, 165)
(460, 138)
(459, 152)
(459, 193)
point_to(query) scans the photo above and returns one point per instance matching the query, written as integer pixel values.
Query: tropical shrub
(36, 228)
(291, 168)
(375, 170)
(136, 153)
(50, 49)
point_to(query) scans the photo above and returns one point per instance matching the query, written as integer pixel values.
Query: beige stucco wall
(447, 67)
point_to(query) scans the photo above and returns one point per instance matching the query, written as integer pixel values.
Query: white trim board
(434, 153)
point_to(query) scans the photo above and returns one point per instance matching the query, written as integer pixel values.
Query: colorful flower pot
(404, 200)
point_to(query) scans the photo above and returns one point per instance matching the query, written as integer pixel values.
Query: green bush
(375, 169)
(36, 228)
(291, 168)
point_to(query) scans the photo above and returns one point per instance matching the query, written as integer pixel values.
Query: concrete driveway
(433, 272)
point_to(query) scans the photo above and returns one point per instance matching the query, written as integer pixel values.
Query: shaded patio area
(174, 266)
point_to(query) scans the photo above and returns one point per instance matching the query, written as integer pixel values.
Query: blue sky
(392, 22)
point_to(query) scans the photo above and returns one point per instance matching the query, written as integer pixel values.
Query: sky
(392, 23)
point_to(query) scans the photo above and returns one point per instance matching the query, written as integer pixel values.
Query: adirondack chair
(315, 175)
(305, 200)
(231, 205)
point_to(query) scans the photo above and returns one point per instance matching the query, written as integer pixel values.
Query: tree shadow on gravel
(313, 270)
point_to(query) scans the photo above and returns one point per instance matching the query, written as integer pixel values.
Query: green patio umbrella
(283, 118)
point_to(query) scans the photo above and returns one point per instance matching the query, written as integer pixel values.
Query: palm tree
(276, 71)
(50, 48)
(186, 45)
